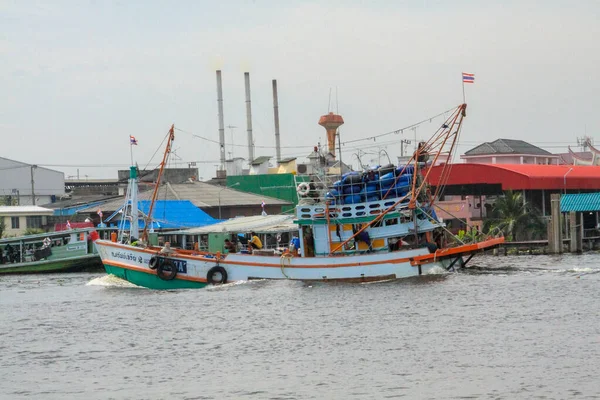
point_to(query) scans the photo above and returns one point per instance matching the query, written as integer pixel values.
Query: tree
(516, 219)
(2, 227)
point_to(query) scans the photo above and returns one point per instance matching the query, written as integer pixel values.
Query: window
(14, 222)
(34, 222)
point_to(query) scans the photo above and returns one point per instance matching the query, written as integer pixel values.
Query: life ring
(216, 275)
(166, 270)
(303, 189)
(154, 261)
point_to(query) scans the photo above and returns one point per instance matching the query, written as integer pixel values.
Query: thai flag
(99, 213)
(263, 204)
(132, 140)
(468, 78)
(68, 224)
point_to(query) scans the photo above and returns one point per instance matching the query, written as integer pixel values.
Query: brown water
(512, 328)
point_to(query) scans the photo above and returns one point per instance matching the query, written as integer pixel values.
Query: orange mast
(155, 193)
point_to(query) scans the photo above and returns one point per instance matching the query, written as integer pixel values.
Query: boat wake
(528, 269)
(234, 284)
(436, 271)
(111, 281)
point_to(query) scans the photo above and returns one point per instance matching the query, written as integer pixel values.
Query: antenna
(584, 142)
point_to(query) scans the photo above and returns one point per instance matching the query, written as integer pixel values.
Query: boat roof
(42, 236)
(258, 223)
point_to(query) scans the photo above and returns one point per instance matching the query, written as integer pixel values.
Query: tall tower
(331, 122)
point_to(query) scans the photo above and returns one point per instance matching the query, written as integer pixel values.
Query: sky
(78, 77)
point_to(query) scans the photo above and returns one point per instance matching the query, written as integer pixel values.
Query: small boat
(63, 251)
(376, 226)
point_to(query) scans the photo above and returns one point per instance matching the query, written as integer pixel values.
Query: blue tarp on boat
(172, 214)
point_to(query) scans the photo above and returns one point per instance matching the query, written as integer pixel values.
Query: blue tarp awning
(580, 202)
(172, 214)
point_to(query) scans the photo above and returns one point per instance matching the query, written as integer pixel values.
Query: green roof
(580, 202)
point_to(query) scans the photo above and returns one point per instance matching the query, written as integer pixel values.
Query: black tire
(166, 270)
(154, 261)
(216, 275)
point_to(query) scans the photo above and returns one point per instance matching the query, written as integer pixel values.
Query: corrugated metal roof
(580, 202)
(507, 146)
(202, 195)
(5, 210)
(521, 176)
(259, 224)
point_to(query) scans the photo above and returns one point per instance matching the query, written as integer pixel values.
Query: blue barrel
(371, 188)
(352, 189)
(353, 199)
(387, 179)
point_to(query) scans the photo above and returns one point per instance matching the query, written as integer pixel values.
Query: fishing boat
(373, 226)
(62, 251)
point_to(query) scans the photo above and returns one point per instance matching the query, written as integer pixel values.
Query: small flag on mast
(263, 204)
(132, 140)
(99, 213)
(468, 78)
(68, 224)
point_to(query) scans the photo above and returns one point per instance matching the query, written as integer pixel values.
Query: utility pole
(33, 185)
(402, 143)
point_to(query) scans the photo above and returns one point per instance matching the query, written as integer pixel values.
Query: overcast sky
(78, 77)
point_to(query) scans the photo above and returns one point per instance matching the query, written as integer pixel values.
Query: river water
(508, 328)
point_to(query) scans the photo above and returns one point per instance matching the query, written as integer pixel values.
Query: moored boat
(63, 251)
(375, 226)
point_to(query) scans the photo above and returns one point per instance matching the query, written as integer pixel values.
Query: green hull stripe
(75, 264)
(150, 281)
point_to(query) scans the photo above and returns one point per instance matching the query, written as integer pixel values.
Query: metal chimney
(276, 117)
(249, 118)
(221, 119)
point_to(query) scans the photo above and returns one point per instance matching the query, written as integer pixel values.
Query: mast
(134, 227)
(155, 193)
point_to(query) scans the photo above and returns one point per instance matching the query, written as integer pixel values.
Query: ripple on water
(478, 333)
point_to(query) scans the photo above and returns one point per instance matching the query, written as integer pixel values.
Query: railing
(373, 208)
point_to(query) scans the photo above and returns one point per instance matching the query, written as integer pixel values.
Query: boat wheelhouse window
(391, 221)
(34, 222)
(376, 224)
(14, 222)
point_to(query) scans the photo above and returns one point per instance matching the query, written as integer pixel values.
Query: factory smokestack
(221, 119)
(276, 117)
(331, 122)
(249, 118)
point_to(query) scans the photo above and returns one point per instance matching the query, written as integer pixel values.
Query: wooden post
(555, 243)
(573, 232)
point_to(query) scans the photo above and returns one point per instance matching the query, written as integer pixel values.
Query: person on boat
(396, 243)
(295, 245)
(309, 243)
(166, 249)
(312, 191)
(255, 242)
(230, 246)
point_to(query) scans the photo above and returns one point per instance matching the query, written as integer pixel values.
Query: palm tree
(514, 218)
